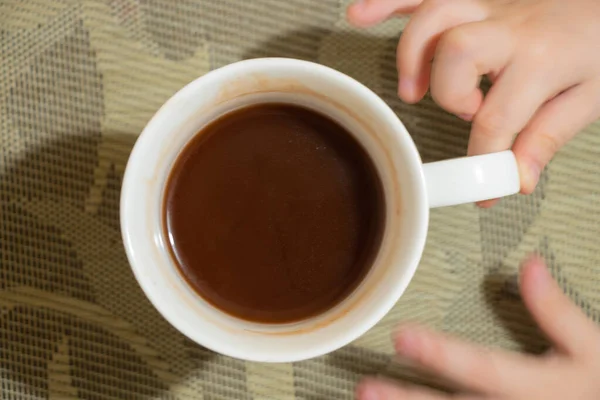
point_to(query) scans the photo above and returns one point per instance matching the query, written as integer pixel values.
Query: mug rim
(127, 191)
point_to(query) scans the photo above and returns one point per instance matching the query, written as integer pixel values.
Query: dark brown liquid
(274, 213)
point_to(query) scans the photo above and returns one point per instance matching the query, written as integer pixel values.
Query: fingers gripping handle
(471, 179)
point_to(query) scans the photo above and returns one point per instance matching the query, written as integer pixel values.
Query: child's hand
(570, 371)
(543, 57)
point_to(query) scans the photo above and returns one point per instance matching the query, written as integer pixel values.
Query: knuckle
(546, 137)
(434, 355)
(486, 370)
(456, 42)
(538, 49)
(444, 97)
(549, 142)
(431, 5)
(490, 124)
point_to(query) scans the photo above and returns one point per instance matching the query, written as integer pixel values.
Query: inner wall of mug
(363, 114)
(368, 142)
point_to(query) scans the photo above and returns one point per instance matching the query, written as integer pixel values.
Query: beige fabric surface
(78, 82)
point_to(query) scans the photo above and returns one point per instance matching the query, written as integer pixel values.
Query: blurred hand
(543, 57)
(570, 371)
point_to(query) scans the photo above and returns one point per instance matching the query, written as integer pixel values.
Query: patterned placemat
(78, 82)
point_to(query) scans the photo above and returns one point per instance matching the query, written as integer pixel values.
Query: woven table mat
(78, 82)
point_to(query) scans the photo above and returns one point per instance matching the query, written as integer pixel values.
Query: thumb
(365, 13)
(561, 320)
(552, 126)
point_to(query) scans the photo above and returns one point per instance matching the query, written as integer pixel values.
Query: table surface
(78, 82)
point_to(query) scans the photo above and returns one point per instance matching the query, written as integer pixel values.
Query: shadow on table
(73, 320)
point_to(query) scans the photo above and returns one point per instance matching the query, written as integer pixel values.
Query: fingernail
(407, 344)
(406, 87)
(366, 391)
(466, 117)
(540, 266)
(537, 271)
(530, 175)
(487, 203)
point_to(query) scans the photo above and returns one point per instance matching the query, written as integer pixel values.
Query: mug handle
(471, 179)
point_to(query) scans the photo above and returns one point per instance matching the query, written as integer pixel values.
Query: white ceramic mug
(410, 189)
